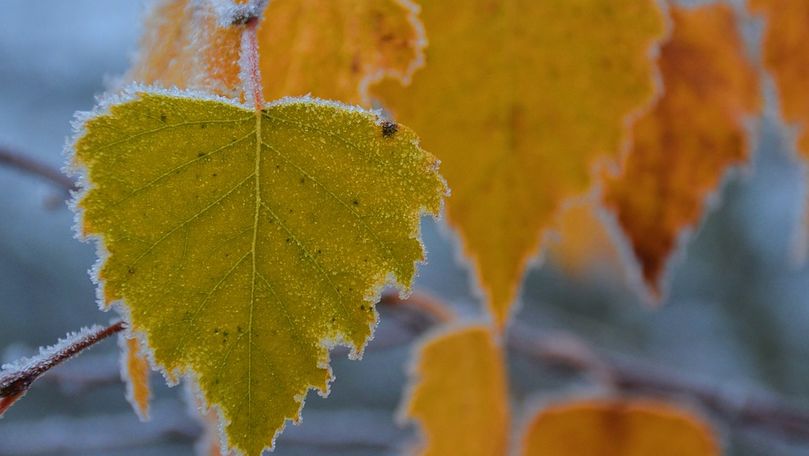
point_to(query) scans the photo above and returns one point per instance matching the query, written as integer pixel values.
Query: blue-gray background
(737, 314)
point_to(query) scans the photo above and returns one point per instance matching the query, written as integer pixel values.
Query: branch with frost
(16, 378)
(33, 167)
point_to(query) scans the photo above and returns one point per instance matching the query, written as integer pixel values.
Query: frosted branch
(16, 378)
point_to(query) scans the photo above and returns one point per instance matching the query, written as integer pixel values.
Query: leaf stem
(249, 62)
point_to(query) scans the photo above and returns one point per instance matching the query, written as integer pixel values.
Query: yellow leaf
(244, 243)
(460, 395)
(617, 428)
(331, 49)
(694, 134)
(135, 372)
(521, 100)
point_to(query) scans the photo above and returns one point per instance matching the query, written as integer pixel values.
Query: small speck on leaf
(389, 128)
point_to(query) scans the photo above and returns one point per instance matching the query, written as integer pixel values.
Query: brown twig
(754, 408)
(28, 165)
(422, 303)
(746, 407)
(15, 381)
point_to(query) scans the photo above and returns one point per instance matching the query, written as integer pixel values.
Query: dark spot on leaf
(203, 125)
(355, 64)
(355, 202)
(239, 329)
(163, 117)
(302, 180)
(201, 154)
(216, 330)
(362, 307)
(289, 240)
(130, 270)
(389, 128)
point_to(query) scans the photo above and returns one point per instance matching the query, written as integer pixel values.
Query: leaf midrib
(258, 202)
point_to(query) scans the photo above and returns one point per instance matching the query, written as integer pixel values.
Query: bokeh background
(736, 317)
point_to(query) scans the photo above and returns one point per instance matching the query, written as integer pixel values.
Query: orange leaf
(617, 428)
(335, 49)
(521, 100)
(183, 46)
(460, 394)
(329, 49)
(786, 57)
(694, 134)
(135, 373)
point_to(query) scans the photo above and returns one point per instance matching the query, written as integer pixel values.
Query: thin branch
(30, 166)
(747, 407)
(15, 380)
(754, 408)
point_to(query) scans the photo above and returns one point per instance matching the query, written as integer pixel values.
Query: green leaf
(245, 244)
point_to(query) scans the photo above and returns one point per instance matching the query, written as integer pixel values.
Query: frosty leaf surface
(696, 132)
(328, 49)
(243, 243)
(460, 394)
(614, 427)
(521, 100)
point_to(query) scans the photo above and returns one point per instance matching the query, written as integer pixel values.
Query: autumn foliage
(248, 232)
(692, 136)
